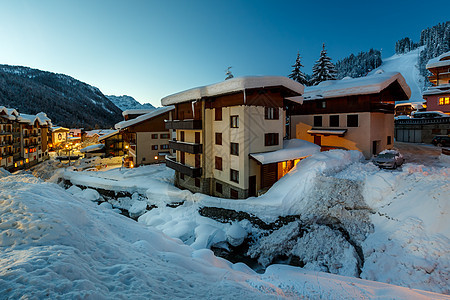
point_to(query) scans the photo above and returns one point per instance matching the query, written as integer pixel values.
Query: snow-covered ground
(396, 220)
(407, 65)
(55, 245)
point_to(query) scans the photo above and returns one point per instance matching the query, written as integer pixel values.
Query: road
(425, 154)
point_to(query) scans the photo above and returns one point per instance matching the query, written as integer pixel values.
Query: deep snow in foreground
(54, 244)
(396, 221)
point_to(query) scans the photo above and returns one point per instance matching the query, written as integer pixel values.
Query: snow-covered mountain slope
(57, 245)
(127, 102)
(407, 65)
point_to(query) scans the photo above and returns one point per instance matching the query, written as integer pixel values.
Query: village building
(23, 139)
(438, 96)
(114, 144)
(147, 139)
(134, 113)
(58, 136)
(229, 139)
(352, 113)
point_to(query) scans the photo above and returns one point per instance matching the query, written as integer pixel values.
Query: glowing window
(447, 100)
(441, 101)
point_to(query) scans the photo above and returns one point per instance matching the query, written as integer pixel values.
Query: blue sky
(150, 49)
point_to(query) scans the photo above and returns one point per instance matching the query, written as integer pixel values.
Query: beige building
(230, 136)
(353, 114)
(146, 138)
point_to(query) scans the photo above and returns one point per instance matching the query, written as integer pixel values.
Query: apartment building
(352, 113)
(230, 136)
(23, 139)
(146, 138)
(438, 96)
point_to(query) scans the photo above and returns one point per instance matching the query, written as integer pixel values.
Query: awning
(339, 132)
(292, 149)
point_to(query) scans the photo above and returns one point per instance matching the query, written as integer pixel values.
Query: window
(219, 188)
(164, 136)
(352, 121)
(234, 194)
(234, 121)
(234, 175)
(234, 148)
(154, 136)
(154, 147)
(164, 147)
(197, 137)
(270, 139)
(441, 101)
(334, 121)
(447, 100)
(317, 121)
(321, 104)
(218, 114)
(182, 136)
(197, 182)
(219, 163)
(218, 138)
(271, 113)
(389, 139)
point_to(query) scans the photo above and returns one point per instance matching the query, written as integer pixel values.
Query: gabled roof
(107, 135)
(59, 128)
(348, 86)
(440, 61)
(231, 86)
(148, 116)
(41, 118)
(92, 148)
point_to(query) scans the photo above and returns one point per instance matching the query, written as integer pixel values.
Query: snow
(55, 245)
(437, 90)
(407, 65)
(156, 112)
(107, 135)
(292, 149)
(370, 84)
(92, 148)
(137, 111)
(232, 85)
(439, 61)
(236, 234)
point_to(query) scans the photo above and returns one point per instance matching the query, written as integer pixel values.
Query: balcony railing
(186, 147)
(186, 170)
(184, 124)
(3, 132)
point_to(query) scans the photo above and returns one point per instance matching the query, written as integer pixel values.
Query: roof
(437, 90)
(370, 84)
(59, 128)
(147, 116)
(136, 111)
(327, 131)
(92, 148)
(108, 134)
(292, 149)
(232, 85)
(12, 114)
(440, 61)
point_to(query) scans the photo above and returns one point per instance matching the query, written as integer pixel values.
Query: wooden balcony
(186, 147)
(184, 124)
(186, 170)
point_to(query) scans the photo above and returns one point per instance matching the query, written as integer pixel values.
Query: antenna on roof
(228, 73)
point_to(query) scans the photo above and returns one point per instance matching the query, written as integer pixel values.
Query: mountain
(408, 65)
(67, 101)
(127, 102)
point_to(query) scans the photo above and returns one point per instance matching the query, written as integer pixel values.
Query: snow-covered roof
(107, 135)
(437, 90)
(92, 148)
(370, 84)
(136, 111)
(231, 86)
(147, 116)
(59, 128)
(440, 61)
(327, 131)
(41, 118)
(292, 149)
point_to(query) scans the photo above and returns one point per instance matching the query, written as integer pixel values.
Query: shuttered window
(271, 113)
(271, 139)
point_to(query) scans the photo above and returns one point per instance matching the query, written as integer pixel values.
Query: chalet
(438, 96)
(114, 144)
(353, 114)
(146, 136)
(229, 137)
(59, 136)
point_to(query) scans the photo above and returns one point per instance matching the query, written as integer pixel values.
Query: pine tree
(323, 69)
(296, 74)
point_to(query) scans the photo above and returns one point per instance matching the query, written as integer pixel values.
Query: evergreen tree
(296, 74)
(229, 74)
(323, 69)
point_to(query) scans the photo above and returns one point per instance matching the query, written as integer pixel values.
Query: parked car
(429, 115)
(441, 140)
(390, 159)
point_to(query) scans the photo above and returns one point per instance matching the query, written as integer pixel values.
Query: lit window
(447, 100)
(441, 101)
